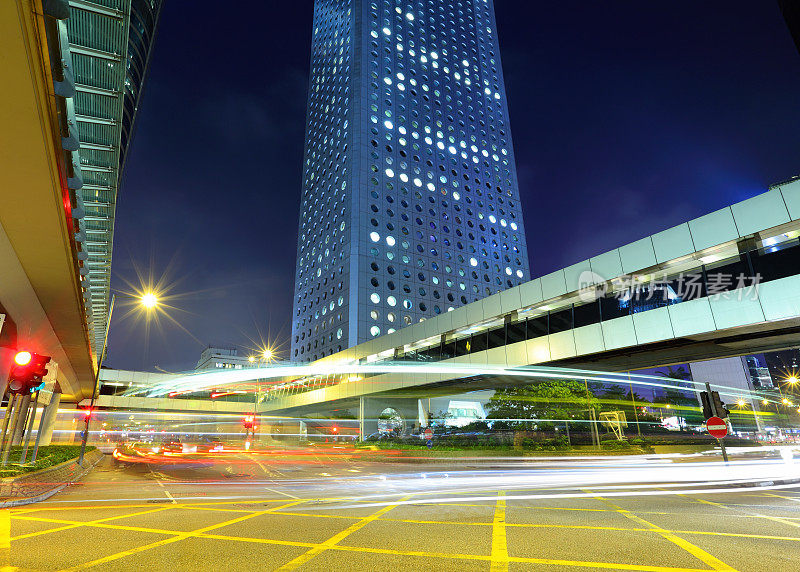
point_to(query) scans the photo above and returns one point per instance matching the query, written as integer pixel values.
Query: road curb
(67, 472)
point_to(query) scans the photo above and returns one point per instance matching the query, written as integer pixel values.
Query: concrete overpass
(43, 296)
(601, 314)
(604, 313)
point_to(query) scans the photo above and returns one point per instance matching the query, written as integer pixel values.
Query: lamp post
(149, 301)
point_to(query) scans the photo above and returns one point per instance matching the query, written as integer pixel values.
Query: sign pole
(717, 414)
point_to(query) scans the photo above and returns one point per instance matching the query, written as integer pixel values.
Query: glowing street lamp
(268, 354)
(741, 402)
(149, 300)
(251, 359)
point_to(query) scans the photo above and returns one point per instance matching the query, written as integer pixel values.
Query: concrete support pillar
(361, 428)
(370, 409)
(22, 417)
(49, 419)
(424, 410)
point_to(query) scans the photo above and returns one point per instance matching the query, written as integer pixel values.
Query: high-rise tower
(410, 203)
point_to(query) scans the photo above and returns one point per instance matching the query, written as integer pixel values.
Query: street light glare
(149, 300)
(268, 354)
(792, 379)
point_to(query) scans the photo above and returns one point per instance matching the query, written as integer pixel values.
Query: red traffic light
(23, 358)
(248, 421)
(27, 372)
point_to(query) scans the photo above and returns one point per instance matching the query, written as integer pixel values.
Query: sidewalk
(40, 485)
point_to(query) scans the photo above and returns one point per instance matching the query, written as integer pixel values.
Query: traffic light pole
(9, 409)
(27, 434)
(719, 414)
(85, 435)
(13, 429)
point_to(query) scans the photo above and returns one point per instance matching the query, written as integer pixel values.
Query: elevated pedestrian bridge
(722, 285)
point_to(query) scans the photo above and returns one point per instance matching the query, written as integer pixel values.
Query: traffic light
(248, 421)
(708, 411)
(719, 407)
(27, 372)
(712, 405)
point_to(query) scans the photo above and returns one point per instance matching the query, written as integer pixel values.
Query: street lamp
(741, 402)
(149, 301)
(268, 354)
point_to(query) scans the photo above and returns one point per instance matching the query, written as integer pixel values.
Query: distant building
(221, 358)
(410, 204)
(791, 13)
(783, 365)
(759, 374)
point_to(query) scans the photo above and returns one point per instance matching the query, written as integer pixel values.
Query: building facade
(410, 203)
(110, 44)
(221, 358)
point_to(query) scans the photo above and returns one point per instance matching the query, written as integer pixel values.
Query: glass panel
(586, 314)
(615, 306)
(775, 262)
(515, 332)
(537, 327)
(728, 275)
(479, 342)
(463, 346)
(449, 350)
(497, 337)
(561, 321)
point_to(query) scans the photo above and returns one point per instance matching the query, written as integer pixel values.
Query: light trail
(203, 381)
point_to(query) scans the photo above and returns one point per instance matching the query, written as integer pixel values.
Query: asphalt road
(324, 511)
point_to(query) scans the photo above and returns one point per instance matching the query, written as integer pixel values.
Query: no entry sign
(428, 434)
(716, 427)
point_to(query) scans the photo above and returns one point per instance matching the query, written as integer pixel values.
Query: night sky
(627, 118)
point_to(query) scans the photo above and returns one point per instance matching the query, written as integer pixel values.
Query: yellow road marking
(335, 539)
(96, 524)
(499, 541)
(756, 514)
(178, 537)
(604, 565)
(75, 524)
(5, 537)
(695, 551)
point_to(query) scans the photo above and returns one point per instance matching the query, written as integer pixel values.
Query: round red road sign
(428, 434)
(716, 427)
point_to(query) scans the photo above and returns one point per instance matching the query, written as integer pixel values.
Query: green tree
(544, 400)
